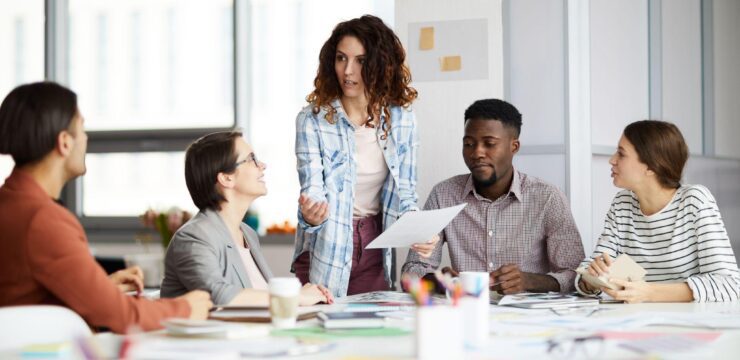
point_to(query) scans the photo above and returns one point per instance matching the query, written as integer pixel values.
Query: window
(22, 46)
(152, 65)
(140, 180)
(151, 77)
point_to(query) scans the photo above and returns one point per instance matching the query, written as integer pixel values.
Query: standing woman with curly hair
(356, 145)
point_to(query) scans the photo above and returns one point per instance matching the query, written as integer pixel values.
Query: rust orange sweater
(44, 259)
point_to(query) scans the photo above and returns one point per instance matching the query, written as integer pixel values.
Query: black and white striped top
(685, 241)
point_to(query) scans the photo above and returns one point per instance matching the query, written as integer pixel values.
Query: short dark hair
(495, 109)
(660, 146)
(31, 118)
(205, 158)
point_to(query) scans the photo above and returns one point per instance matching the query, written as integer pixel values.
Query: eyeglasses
(585, 347)
(251, 157)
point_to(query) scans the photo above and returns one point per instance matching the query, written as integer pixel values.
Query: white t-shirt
(371, 172)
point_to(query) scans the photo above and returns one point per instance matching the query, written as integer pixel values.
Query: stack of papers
(546, 301)
(351, 320)
(258, 314)
(213, 328)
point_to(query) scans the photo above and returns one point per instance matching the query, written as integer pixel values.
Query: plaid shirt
(327, 171)
(531, 226)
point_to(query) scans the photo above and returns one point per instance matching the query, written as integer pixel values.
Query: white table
(727, 346)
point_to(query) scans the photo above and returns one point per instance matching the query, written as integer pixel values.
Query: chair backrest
(39, 324)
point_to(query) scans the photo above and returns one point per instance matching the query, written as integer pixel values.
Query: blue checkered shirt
(327, 171)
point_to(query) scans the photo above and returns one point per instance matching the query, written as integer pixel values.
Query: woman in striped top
(674, 231)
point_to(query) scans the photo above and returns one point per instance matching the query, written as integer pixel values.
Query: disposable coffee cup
(284, 294)
(152, 265)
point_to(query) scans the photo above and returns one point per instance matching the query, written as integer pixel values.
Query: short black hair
(31, 118)
(495, 109)
(205, 158)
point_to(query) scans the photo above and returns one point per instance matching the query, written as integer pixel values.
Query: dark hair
(495, 109)
(384, 72)
(31, 118)
(205, 158)
(661, 147)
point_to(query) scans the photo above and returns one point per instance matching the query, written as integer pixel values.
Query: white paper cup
(284, 294)
(151, 264)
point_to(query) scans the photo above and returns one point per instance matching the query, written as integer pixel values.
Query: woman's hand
(200, 304)
(314, 212)
(313, 294)
(426, 249)
(634, 291)
(600, 265)
(129, 279)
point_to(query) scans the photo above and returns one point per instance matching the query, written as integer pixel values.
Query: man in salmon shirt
(45, 258)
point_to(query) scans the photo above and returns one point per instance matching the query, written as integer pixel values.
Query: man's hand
(426, 249)
(200, 304)
(508, 279)
(451, 271)
(314, 212)
(129, 279)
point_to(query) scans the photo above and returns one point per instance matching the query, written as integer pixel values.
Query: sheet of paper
(451, 63)
(415, 227)
(426, 38)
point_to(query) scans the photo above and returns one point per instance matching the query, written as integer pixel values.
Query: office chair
(39, 324)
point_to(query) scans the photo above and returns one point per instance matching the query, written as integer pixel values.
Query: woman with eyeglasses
(356, 145)
(674, 231)
(215, 251)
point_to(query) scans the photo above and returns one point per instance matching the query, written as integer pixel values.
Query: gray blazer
(202, 256)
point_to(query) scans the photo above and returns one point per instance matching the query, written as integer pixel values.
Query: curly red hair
(384, 71)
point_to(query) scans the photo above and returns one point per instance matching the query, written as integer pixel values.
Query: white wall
(727, 77)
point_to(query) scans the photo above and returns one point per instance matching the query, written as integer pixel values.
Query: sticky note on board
(451, 63)
(426, 38)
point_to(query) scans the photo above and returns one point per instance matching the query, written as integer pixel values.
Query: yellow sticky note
(451, 63)
(426, 38)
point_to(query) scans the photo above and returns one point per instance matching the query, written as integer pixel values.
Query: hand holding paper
(415, 227)
(622, 268)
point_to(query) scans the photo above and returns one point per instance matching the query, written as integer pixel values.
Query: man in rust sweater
(44, 257)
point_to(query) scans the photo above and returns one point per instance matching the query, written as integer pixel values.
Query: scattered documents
(415, 227)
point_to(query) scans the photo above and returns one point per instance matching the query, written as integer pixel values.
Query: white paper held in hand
(415, 227)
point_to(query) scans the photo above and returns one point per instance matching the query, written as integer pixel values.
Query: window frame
(126, 228)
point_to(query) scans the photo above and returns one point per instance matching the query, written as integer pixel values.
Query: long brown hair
(661, 147)
(384, 71)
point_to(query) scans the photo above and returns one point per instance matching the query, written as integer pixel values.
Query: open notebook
(258, 314)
